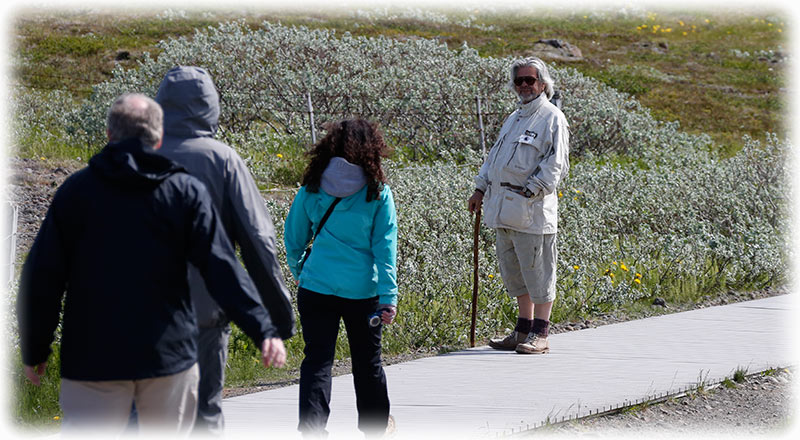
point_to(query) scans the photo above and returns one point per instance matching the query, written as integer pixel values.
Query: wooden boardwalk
(484, 393)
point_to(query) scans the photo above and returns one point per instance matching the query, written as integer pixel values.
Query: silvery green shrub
(422, 93)
(720, 223)
(646, 209)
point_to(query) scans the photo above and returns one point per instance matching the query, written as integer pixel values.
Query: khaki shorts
(528, 264)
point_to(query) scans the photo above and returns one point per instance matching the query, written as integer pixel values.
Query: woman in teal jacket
(351, 274)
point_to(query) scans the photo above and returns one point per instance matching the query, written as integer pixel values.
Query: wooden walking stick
(475, 276)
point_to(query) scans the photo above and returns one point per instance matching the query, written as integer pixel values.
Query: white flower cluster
(376, 15)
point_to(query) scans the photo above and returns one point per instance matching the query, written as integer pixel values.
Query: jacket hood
(131, 164)
(190, 102)
(342, 178)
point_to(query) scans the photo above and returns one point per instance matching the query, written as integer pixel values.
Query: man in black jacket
(191, 115)
(117, 239)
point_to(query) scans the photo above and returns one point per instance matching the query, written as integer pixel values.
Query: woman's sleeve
(296, 233)
(384, 247)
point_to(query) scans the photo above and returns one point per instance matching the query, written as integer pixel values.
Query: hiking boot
(533, 344)
(510, 342)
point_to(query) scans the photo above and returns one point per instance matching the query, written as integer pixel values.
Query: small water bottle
(375, 318)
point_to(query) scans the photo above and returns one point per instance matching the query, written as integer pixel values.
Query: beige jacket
(532, 151)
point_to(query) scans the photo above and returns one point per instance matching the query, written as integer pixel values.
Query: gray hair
(134, 115)
(541, 69)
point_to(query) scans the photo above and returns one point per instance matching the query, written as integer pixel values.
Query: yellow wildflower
(685, 34)
(638, 275)
(680, 22)
(707, 21)
(42, 158)
(637, 281)
(623, 267)
(56, 418)
(576, 267)
(614, 263)
(491, 275)
(611, 274)
(280, 156)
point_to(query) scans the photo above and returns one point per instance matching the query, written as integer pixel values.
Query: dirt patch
(32, 185)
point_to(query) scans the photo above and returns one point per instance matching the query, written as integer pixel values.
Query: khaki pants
(165, 405)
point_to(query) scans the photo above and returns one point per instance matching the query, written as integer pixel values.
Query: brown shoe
(534, 344)
(510, 342)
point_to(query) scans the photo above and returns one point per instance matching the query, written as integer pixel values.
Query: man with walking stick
(518, 182)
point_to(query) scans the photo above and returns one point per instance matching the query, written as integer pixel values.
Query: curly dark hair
(357, 141)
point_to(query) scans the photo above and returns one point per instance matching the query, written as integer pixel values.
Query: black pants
(319, 318)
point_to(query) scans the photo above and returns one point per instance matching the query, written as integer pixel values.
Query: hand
(387, 317)
(273, 353)
(33, 373)
(474, 203)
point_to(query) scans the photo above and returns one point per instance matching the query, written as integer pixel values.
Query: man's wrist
(527, 193)
(480, 191)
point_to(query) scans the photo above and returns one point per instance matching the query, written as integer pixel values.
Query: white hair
(541, 69)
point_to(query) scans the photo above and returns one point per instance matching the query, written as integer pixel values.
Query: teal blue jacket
(355, 254)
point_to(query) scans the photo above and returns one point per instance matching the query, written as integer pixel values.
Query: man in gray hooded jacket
(191, 114)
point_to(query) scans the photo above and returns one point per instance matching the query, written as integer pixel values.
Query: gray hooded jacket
(191, 114)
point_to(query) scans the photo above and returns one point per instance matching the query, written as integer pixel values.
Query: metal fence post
(480, 125)
(311, 119)
(9, 233)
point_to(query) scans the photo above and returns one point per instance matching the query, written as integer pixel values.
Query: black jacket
(191, 114)
(116, 239)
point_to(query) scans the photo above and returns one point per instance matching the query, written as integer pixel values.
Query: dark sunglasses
(530, 80)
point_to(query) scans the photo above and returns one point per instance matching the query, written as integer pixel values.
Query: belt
(514, 187)
(521, 190)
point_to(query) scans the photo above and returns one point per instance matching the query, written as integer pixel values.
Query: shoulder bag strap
(327, 214)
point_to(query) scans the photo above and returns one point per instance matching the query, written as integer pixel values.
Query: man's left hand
(273, 353)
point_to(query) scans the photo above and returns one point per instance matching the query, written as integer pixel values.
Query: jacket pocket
(516, 210)
(525, 157)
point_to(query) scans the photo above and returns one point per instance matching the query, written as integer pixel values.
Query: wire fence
(425, 126)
